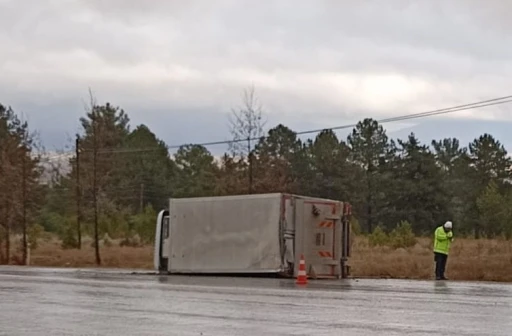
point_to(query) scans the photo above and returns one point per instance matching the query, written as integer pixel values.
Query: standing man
(443, 238)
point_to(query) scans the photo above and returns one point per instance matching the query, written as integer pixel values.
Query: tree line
(20, 191)
(119, 177)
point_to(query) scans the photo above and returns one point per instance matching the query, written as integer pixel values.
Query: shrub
(355, 226)
(402, 236)
(144, 225)
(378, 237)
(35, 232)
(69, 240)
(131, 241)
(107, 241)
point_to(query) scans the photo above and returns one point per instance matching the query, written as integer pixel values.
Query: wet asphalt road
(102, 302)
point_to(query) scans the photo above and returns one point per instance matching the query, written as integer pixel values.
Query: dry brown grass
(483, 260)
(469, 259)
(50, 253)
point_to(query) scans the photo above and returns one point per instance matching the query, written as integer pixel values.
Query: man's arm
(441, 234)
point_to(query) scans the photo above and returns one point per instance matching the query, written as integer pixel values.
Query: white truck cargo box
(265, 233)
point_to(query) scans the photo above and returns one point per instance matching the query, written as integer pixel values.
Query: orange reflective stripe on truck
(326, 224)
(325, 254)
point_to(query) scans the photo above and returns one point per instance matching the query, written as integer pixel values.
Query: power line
(458, 108)
(448, 110)
(484, 103)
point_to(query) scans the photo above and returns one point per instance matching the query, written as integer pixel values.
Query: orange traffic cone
(302, 278)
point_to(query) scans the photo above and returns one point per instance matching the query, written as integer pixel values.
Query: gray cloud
(179, 66)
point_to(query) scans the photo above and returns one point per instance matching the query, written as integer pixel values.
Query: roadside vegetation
(470, 259)
(94, 203)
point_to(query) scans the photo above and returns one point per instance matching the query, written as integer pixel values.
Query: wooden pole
(78, 196)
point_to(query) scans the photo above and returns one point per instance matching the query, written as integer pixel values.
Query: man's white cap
(448, 225)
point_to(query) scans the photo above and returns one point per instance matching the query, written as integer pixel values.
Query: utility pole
(249, 157)
(95, 191)
(24, 203)
(141, 197)
(78, 196)
(7, 231)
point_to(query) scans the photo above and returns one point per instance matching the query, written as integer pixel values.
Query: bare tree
(246, 127)
(95, 186)
(88, 147)
(95, 134)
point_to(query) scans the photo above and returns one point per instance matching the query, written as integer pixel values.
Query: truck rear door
(321, 237)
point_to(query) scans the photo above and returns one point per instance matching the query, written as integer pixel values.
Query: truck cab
(162, 241)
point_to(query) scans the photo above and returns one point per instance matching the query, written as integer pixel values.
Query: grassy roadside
(49, 253)
(472, 260)
(469, 259)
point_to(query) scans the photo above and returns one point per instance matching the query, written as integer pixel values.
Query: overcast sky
(180, 66)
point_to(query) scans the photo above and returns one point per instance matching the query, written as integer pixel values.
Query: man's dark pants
(440, 260)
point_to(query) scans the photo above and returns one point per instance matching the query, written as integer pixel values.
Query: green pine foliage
(378, 237)
(402, 236)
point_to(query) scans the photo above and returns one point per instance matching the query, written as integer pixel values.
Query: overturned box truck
(249, 234)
